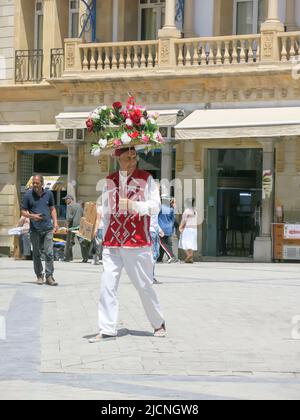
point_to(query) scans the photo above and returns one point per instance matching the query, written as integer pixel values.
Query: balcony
(178, 54)
(155, 56)
(28, 66)
(56, 63)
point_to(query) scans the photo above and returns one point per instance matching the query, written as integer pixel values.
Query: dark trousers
(166, 247)
(69, 246)
(42, 241)
(85, 248)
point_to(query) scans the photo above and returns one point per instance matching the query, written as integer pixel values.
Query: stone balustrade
(218, 50)
(289, 46)
(182, 53)
(119, 56)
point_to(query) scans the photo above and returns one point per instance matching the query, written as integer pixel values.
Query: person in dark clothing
(74, 214)
(39, 206)
(166, 220)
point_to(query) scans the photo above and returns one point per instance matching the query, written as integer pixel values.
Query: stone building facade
(223, 74)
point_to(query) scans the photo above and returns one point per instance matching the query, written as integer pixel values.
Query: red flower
(125, 114)
(131, 102)
(117, 105)
(136, 116)
(134, 135)
(90, 125)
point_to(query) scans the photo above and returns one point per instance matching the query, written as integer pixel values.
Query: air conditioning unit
(291, 252)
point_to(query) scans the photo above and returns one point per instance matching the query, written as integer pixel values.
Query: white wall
(204, 16)
(6, 41)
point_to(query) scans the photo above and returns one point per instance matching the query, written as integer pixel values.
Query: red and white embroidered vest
(127, 230)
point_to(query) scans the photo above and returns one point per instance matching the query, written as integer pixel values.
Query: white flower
(94, 115)
(102, 143)
(143, 121)
(103, 108)
(96, 152)
(125, 138)
(152, 120)
(128, 122)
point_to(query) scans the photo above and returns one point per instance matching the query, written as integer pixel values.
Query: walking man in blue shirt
(166, 220)
(39, 206)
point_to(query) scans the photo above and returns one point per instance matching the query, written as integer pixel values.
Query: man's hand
(36, 217)
(161, 234)
(55, 229)
(125, 204)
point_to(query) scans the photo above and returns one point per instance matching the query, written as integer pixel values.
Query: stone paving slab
(228, 324)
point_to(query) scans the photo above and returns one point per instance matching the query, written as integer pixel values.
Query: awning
(76, 120)
(29, 133)
(239, 123)
(53, 183)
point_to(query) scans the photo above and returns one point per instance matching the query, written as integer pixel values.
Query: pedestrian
(85, 245)
(155, 233)
(98, 237)
(25, 244)
(129, 199)
(166, 220)
(188, 230)
(39, 206)
(74, 214)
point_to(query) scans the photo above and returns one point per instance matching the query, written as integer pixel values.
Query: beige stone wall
(92, 172)
(8, 196)
(24, 24)
(31, 112)
(104, 20)
(7, 10)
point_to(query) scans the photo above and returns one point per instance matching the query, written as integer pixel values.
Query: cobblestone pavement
(229, 335)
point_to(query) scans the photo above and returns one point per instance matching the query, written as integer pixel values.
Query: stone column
(273, 11)
(263, 244)
(270, 45)
(290, 21)
(166, 36)
(167, 161)
(72, 168)
(170, 30)
(115, 24)
(189, 11)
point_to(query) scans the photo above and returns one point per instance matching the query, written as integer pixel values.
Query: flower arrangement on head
(120, 127)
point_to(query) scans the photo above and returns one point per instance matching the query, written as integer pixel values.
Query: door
(232, 201)
(211, 199)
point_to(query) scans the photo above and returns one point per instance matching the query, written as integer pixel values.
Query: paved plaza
(230, 335)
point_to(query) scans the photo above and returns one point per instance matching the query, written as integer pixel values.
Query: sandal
(101, 337)
(161, 332)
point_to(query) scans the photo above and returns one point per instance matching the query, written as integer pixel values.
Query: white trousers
(139, 267)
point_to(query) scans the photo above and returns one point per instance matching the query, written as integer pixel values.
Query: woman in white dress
(188, 229)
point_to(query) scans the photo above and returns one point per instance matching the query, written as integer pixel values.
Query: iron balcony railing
(28, 66)
(57, 62)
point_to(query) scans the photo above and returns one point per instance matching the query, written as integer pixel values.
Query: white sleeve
(151, 205)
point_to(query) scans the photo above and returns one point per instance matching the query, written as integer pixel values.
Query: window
(39, 25)
(73, 18)
(151, 18)
(248, 16)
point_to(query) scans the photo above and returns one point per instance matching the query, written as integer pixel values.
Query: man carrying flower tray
(130, 197)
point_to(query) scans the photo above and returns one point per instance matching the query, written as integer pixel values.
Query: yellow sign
(53, 183)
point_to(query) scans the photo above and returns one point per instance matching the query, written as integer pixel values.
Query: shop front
(232, 202)
(251, 161)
